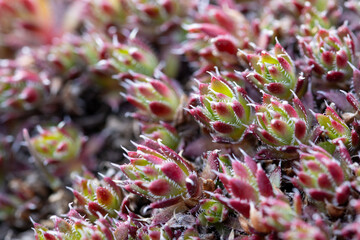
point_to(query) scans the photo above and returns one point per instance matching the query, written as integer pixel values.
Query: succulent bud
(281, 124)
(329, 54)
(212, 211)
(21, 90)
(158, 173)
(155, 99)
(164, 132)
(97, 197)
(60, 143)
(133, 55)
(224, 109)
(274, 72)
(57, 149)
(336, 128)
(215, 37)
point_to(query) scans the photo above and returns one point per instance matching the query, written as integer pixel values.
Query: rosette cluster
(76, 227)
(330, 54)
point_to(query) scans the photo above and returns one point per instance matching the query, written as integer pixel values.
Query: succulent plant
(68, 55)
(309, 15)
(97, 197)
(76, 227)
(215, 37)
(329, 53)
(155, 99)
(224, 109)
(94, 52)
(60, 143)
(273, 214)
(336, 128)
(133, 55)
(263, 207)
(21, 91)
(274, 25)
(158, 173)
(220, 94)
(247, 183)
(323, 177)
(274, 72)
(96, 60)
(57, 151)
(281, 124)
(313, 19)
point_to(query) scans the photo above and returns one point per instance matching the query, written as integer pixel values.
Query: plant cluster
(165, 119)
